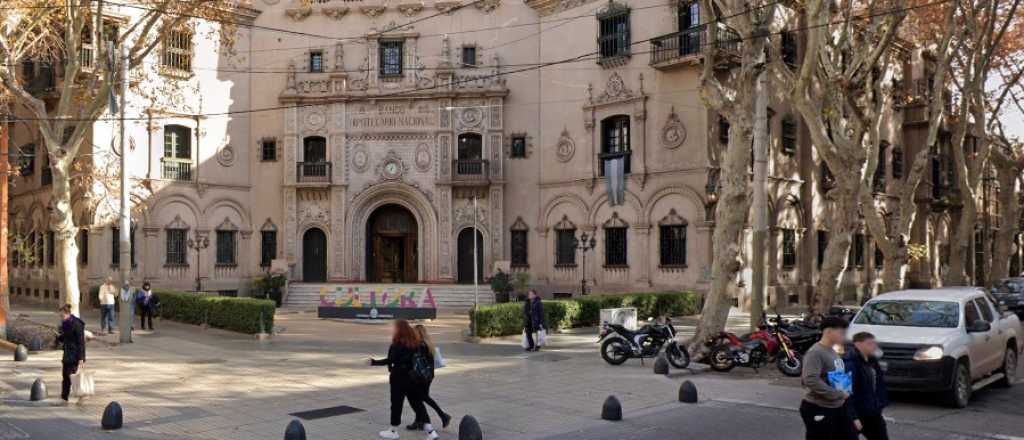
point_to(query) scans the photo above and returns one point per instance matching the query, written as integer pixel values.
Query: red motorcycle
(754, 350)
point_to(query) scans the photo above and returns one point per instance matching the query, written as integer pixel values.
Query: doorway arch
(465, 255)
(392, 247)
(314, 256)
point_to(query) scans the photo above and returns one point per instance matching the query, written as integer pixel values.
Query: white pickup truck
(953, 340)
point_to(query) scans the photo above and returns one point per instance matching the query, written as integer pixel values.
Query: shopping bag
(542, 337)
(82, 384)
(439, 361)
(526, 342)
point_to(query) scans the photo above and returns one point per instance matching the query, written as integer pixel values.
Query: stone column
(643, 233)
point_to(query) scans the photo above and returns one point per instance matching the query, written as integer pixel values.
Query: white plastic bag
(526, 342)
(82, 384)
(542, 338)
(439, 361)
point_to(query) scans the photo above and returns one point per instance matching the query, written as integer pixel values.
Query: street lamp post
(584, 244)
(199, 243)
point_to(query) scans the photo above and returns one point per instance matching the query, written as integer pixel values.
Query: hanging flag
(614, 173)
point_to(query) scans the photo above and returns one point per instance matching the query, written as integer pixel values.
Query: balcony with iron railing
(470, 172)
(176, 169)
(313, 172)
(689, 45)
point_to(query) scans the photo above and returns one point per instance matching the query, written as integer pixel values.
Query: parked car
(951, 340)
(1010, 293)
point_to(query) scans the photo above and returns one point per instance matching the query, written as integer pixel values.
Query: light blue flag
(614, 172)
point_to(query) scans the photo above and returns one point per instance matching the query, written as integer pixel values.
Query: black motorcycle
(619, 344)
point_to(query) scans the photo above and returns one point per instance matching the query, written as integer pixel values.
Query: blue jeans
(107, 317)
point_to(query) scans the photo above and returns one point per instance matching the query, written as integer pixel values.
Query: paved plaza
(184, 382)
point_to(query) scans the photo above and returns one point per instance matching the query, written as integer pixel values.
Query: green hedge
(507, 319)
(229, 313)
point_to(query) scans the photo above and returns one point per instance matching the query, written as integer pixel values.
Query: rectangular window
(520, 248)
(789, 49)
(391, 58)
(177, 247)
(788, 248)
(51, 240)
(822, 246)
(879, 177)
(268, 247)
(177, 161)
(879, 258)
(469, 56)
(177, 51)
(615, 142)
(672, 239)
(565, 250)
(723, 130)
(857, 252)
(83, 247)
(316, 61)
(613, 38)
(226, 248)
(615, 246)
(518, 147)
(27, 159)
(268, 150)
(897, 162)
(46, 173)
(789, 136)
(115, 246)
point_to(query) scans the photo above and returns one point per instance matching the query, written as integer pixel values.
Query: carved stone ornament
(410, 9)
(673, 135)
(227, 225)
(615, 222)
(565, 148)
(313, 213)
(519, 225)
(268, 225)
(423, 157)
(315, 119)
(464, 215)
(299, 14)
(487, 6)
(673, 218)
(471, 116)
(226, 155)
(372, 11)
(335, 12)
(615, 90)
(447, 7)
(391, 167)
(177, 223)
(360, 158)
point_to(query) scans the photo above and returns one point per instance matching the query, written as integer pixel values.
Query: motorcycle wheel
(720, 360)
(790, 367)
(677, 356)
(615, 351)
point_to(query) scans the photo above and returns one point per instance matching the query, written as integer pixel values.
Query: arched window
(519, 243)
(615, 143)
(565, 243)
(314, 149)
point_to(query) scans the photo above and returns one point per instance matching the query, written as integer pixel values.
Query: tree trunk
(894, 274)
(960, 244)
(63, 224)
(1009, 223)
(844, 222)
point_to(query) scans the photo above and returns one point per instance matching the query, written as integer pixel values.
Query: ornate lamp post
(199, 243)
(584, 244)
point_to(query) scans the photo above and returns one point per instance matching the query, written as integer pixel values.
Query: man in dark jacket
(533, 318)
(72, 337)
(869, 395)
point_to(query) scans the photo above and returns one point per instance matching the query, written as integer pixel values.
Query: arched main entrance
(466, 256)
(391, 246)
(314, 256)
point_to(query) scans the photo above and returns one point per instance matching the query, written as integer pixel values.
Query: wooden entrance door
(392, 246)
(465, 256)
(314, 256)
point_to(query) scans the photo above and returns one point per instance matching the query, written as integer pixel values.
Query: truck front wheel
(960, 394)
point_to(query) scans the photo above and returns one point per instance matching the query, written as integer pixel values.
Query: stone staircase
(447, 296)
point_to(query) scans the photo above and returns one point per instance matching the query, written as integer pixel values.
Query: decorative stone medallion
(565, 148)
(673, 135)
(391, 167)
(471, 117)
(226, 155)
(315, 119)
(360, 158)
(423, 157)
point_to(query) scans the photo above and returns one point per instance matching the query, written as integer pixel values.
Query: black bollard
(20, 353)
(661, 365)
(469, 429)
(612, 409)
(295, 431)
(688, 392)
(38, 390)
(113, 417)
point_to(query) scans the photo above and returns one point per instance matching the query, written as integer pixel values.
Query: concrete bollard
(469, 429)
(113, 417)
(38, 390)
(612, 409)
(688, 392)
(661, 365)
(20, 353)
(295, 431)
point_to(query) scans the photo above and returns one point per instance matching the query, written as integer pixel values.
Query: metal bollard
(38, 390)
(688, 392)
(612, 409)
(295, 431)
(113, 417)
(469, 429)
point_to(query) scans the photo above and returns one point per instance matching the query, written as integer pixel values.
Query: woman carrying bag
(533, 321)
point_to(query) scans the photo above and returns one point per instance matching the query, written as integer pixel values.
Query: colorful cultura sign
(377, 302)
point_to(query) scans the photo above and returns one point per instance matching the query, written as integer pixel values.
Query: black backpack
(422, 371)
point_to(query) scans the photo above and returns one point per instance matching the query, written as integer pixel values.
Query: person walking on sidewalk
(826, 382)
(72, 337)
(405, 344)
(147, 305)
(108, 299)
(869, 395)
(533, 319)
(421, 331)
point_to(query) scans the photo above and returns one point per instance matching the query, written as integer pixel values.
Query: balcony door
(314, 157)
(470, 155)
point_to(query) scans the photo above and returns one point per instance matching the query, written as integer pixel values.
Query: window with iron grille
(177, 247)
(788, 248)
(268, 247)
(789, 49)
(879, 258)
(615, 249)
(615, 142)
(897, 162)
(27, 159)
(822, 246)
(177, 142)
(469, 56)
(390, 54)
(83, 247)
(226, 248)
(40, 247)
(51, 241)
(518, 149)
(723, 130)
(316, 61)
(177, 51)
(520, 248)
(613, 39)
(565, 247)
(789, 136)
(672, 240)
(268, 150)
(856, 258)
(115, 246)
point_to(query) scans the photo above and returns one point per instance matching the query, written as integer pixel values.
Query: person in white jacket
(438, 363)
(108, 300)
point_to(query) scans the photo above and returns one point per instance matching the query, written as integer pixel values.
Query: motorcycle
(769, 344)
(801, 333)
(619, 344)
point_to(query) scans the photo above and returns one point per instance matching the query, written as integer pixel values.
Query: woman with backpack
(406, 361)
(446, 418)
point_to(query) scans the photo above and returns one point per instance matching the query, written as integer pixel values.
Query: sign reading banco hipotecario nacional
(392, 116)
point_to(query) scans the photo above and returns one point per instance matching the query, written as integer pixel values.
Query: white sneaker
(432, 435)
(389, 434)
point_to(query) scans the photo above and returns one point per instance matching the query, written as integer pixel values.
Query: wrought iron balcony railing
(313, 172)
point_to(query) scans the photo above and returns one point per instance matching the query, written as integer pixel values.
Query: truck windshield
(910, 313)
